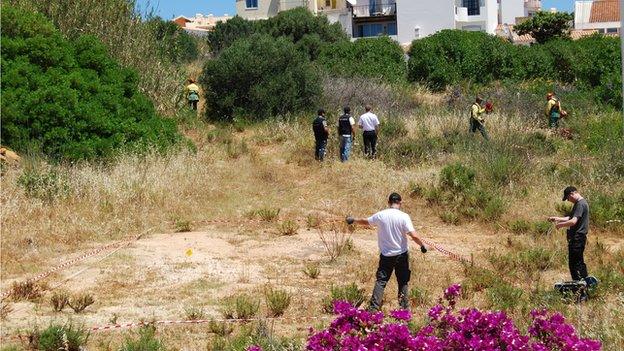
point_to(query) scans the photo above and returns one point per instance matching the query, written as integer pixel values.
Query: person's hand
(423, 249)
(552, 219)
(559, 225)
(350, 220)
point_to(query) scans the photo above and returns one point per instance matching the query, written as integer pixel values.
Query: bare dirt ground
(160, 275)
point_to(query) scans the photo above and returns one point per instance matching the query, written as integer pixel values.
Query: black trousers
(370, 143)
(319, 149)
(576, 263)
(193, 104)
(400, 265)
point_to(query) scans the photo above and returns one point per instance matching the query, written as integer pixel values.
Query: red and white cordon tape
(200, 321)
(73, 261)
(444, 251)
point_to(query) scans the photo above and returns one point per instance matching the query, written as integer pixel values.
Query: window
(473, 7)
(251, 4)
(612, 30)
(376, 29)
(601, 30)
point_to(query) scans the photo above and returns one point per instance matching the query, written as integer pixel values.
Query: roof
(605, 11)
(186, 19)
(580, 33)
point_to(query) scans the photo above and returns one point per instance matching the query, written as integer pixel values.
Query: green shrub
(255, 334)
(176, 45)
(536, 259)
(479, 279)
(70, 100)
(545, 26)
(44, 185)
(606, 209)
(457, 177)
(222, 328)
(277, 301)
(241, 306)
(312, 270)
(146, 341)
(266, 214)
(350, 292)
(62, 337)
(259, 77)
(225, 33)
(418, 297)
(370, 57)
(503, 296)
(288, 228)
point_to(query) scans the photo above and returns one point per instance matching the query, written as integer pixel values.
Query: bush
(380, 58)
(126, 37)
(27, 290)
(62, 337)
(225, 33)
(452, 57)
(240, 307)
(350, 293)
(288, 228)
(457, 177)
(146, 341)
(277, 301)
(44, 185)
(259, 77)
(70, 100)
(504, 296)
(177, 45)
(312, 270)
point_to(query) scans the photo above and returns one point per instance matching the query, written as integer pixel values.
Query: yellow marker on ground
(189, 252)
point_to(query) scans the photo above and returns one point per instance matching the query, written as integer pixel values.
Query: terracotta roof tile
(605, 11)
(580, 33)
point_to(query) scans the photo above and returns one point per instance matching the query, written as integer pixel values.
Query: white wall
(510, 9)
(266, 9)
(491, 13)
(582, 11)
(430, 16)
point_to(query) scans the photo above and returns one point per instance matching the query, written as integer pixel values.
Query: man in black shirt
(578, 226)
(321, 132)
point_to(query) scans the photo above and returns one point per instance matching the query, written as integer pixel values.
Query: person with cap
(192, 94)
(393, 228)
(553, 110)
(369, 123)
(346, 132)
(477, 122)
(321, 132)
(578, 226)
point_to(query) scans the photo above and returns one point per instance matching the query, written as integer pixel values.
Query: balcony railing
(374, 10)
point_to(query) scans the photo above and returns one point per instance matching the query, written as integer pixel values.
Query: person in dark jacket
(346, 133)
(321, 132)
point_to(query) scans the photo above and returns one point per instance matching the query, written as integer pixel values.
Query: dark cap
(567, 191)
(394, 198)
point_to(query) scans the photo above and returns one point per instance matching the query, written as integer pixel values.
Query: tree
(68, 99)
(544, 26)
(259, 77)
(176, 45)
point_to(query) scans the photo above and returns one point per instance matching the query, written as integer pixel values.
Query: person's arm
(558, 219)
(377, 125)
(549, 105)
(412, 234)
(352, 122)
(566, 224)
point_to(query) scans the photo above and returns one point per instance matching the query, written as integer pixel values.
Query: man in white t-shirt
(393, 228)
(369, 123)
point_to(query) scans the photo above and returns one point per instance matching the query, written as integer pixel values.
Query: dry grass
(104, 203)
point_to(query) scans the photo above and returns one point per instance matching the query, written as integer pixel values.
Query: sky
(168, 9)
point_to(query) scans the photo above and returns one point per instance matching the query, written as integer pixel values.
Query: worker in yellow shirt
(476, 118)
(192, 94)
(553, 110)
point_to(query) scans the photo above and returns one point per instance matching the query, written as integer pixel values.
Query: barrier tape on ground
(201, 321)
(73, 261)
(444, 251)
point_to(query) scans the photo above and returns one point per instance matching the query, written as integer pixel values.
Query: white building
(200, 23)
(602, 16)
(403, 20)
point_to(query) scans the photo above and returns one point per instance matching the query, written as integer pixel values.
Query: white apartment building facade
(402, 20)
(603, 16)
